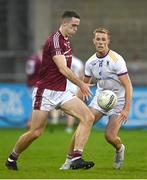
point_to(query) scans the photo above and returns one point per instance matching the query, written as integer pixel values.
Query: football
(107, 100)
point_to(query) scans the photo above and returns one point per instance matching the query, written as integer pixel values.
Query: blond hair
(102, 30)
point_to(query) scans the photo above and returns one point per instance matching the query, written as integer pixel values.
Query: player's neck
(61, 29)
(102, 54)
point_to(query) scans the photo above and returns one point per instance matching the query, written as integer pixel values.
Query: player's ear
(64, 22)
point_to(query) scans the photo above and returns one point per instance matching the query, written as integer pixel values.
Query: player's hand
(123, 117)
(85, 89)
(79, 94)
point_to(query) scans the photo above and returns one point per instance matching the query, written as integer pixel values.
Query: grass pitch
(44, 157)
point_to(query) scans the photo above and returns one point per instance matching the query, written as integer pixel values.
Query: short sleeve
(56, 46)
(121, 67)
(88, 69)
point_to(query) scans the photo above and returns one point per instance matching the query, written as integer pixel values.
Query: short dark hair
(70, 14)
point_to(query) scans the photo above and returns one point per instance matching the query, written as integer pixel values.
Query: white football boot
(119, 158)
(66, 165)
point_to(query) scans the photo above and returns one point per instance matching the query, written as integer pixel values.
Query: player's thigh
(77, 108)
(113, 125)
(97, 114)
(39, 119)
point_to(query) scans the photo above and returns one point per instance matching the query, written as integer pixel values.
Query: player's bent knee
(36, 134)
(89, 118)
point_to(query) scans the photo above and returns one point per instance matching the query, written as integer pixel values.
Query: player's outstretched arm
(60, 61)
(86, 79)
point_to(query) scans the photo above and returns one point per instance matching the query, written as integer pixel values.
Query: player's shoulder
(54, 38)
(114, 56)
(55, 35)
(92, 59)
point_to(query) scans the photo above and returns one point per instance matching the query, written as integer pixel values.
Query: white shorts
(116, 110)
(46, 100)
(72, 87)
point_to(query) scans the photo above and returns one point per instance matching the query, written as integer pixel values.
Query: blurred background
(25, 25)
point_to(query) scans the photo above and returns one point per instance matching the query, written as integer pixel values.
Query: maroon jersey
(50, 76)
(32, 69)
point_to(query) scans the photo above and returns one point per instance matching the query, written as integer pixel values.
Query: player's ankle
(77, 153)
(13, 156)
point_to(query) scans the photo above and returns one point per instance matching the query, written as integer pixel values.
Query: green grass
(44, 157)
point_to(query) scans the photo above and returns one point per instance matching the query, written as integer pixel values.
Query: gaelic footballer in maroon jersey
(49, 72)
(51, 93)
